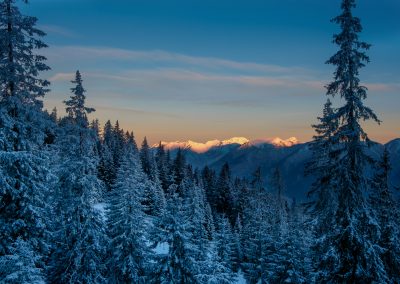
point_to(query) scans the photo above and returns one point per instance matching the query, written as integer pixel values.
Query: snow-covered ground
(161, 248)
(102, 208)
(240, 278)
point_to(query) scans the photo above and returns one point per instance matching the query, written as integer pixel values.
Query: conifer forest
(82, 201)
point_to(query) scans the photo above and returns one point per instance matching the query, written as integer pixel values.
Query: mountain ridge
(246, 158)
(200, 148)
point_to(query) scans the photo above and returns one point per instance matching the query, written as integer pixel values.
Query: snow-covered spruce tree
(210, 226)
(130, 141)
(19, 265)
(216, 268)
(387, 214)
(224, 242)
(214, 271)
(24, 179)
(199, 229)
(289, 262)
(322, 207)
(277, 184)
(257, 239)
(194, 197)
(119, 137)
(129, 254)
(208, 178)
(241, 190)
(178, 168)
(75, 106)
(154, 200)
(348, 253)
(106, 168)
(54, 115)
(177, 265)
(154, 197)
(238, 244)
(94, 125)
(79, 236)
(280, 205)
(222, 200)
(146, 158)
(111, 150)
(277, 253)
(162, 166)
(108, 134)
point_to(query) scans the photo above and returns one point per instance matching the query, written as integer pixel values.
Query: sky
(207, 69)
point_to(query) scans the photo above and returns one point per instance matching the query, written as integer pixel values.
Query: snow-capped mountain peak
(204, 147)
(285, 143)
(235, 140)
(278, 142)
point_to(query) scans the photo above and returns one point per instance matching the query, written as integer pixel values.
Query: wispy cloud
(182, 75)
(135, 76)
(136, 111)
(161, 76)
(104, 53)
(383, 87)
(58, 30)
(62, 77)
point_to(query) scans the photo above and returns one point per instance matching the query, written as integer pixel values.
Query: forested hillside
(82, 202)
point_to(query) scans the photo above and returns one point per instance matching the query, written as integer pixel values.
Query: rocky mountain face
(244, 156)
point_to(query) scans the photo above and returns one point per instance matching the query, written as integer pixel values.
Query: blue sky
(178, 70)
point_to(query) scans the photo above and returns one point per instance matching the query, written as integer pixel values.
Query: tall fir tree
(19, 265)
(225, 243)
(211, 265)
(238, 244)
(214, 271)
(178, 168)
(129, 254)
(119, 144)
(154, 198)
(162, 166)
(217, 267)
(222, 199)
(322, 208)
(177, 265)
(146, 158)
(75, 106)
(107, 170)
(54, 115)
(276, 182)
(130, 141)
(289, 262)
(79, 232)
(24, 164)
(208, 179)
(194, 197)
(347, 252)
(257, 235)
(387, 213)
(108, 137)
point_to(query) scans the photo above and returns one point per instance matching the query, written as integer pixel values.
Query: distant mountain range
(244, 156)
(241, 141)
